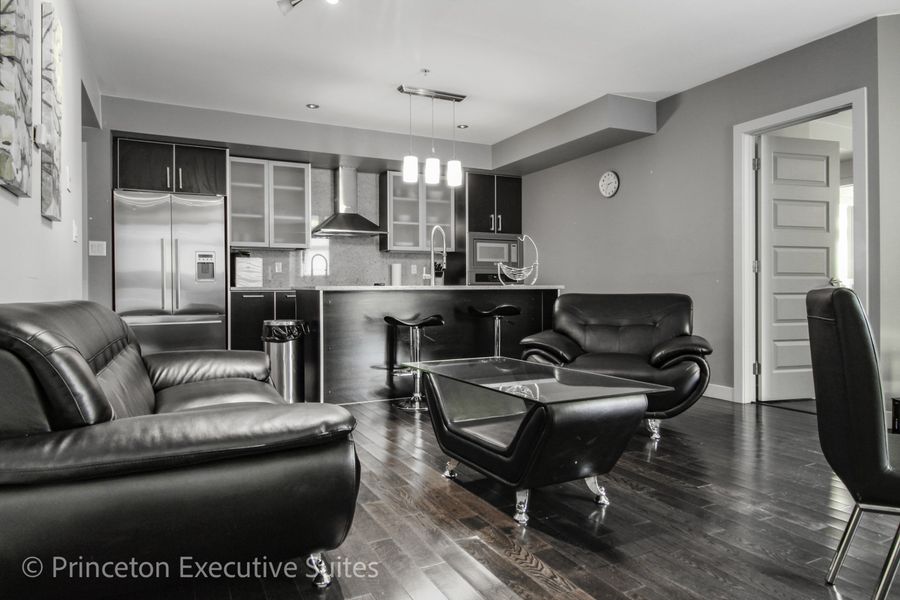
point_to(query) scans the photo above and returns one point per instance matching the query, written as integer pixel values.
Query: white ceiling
(521, 62)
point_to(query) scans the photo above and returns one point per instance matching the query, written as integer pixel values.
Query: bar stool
(414, 403)
(497, 313)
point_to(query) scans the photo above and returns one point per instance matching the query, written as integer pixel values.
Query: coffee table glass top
(539, 383)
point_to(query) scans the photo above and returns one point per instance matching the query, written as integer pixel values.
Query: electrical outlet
(278, 267)
(414, 269)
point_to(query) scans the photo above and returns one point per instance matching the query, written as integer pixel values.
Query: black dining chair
(850, 412)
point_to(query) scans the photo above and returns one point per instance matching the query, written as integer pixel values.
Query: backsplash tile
(350, 261)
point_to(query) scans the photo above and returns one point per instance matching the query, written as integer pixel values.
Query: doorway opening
(800, 223)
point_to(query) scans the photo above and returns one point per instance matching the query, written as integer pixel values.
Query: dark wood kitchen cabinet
(248, 311)
(144, 165)
(200, 170)
(164, 167)
(286, 305)
(495, 203)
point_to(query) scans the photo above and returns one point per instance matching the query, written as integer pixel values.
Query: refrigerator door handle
(177, 277)
(162, 273)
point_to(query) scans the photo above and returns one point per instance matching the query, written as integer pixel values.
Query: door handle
(499, 222)
(177, 278)
(168, 177)
(180, 181)
(492, 222)
(162, 273)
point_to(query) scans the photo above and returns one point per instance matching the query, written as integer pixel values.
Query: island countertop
(401, 288)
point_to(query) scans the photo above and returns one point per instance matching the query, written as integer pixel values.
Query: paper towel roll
(396, 274)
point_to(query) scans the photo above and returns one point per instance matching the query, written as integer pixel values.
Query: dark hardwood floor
(736, 502)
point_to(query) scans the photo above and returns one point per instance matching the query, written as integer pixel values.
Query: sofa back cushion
(623, 323)
(79, 354)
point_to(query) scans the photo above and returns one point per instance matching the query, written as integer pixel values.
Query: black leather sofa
(647, 337)
(112, 456)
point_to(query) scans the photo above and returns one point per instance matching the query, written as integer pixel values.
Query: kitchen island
(351, 354)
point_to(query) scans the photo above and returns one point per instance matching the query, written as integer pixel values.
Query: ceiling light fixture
(312, 106)
(332, 1)
(462, 126)
(432, 163)
(286, 5)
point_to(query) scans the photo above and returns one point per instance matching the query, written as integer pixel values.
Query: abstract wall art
(51, 112)
(16, 142)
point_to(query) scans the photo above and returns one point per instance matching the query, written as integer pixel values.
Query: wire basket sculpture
(520, 275)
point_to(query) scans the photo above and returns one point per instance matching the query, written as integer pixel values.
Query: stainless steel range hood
(346, 221)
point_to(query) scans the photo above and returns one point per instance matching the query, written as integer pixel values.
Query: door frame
(745, 217)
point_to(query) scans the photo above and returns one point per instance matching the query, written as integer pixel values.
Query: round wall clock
(609, 184)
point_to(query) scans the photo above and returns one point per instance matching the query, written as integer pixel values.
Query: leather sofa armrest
(554, 344)
(164, 441)
(679, 346)
(167, 369)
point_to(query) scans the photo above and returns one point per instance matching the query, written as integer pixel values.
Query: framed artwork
(16, 141)
(51, 112)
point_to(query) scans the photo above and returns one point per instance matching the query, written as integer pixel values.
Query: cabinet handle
(492, 222)
(180, 182)
(252, 296)
(168, 177)
(290, 296)
(500, 222)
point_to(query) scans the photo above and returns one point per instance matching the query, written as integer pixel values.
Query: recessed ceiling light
(332, 1)
(462, 126)
(312, 106)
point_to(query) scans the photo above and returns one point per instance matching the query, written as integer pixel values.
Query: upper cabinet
(270, 203)
(494, 203)
(412, 210)
(165, 167)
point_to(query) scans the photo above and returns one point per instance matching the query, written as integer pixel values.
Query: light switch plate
(96, 248)
(414, 269)
(278, 267)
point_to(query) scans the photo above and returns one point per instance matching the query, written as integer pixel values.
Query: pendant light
(454, 166)
(432, 163)
(410, 161)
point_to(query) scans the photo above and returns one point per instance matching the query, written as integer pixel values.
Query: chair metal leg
(322, 578)
(498, 324)
(653, 428)
(889, 570)
(599, 491)
(450, 469)
(521, 515)
(843, 545)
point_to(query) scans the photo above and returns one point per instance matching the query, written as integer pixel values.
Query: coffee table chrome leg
(653, 428)
(599, 491)
(322, 578)
(521, 516)
(450, 469)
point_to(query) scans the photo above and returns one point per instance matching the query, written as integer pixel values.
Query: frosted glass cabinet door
(290, 206)
(439, 211)
(405, 214)
(249, 208)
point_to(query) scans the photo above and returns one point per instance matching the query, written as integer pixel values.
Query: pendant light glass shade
(432, 170)
(410, 169)
(454, 173)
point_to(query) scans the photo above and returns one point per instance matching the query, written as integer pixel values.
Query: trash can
(283, 339)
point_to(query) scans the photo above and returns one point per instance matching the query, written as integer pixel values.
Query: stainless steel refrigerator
(169, 258)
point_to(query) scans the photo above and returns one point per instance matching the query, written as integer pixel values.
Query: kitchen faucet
(440, 267)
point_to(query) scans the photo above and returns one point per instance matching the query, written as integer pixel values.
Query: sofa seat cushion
(216, 392)
(168, 441)
(683, 377)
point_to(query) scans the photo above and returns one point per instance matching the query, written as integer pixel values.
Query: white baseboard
(720, 392)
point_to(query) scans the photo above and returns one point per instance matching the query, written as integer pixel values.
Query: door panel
(200, 170)
(799, 201)
(509, 205)
(480, 191)
(248, 311)
(144, 166)
(143, 232)
(198, 246)
(285, 305)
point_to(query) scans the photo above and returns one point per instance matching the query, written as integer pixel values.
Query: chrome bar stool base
(497, 313)
(415, 403)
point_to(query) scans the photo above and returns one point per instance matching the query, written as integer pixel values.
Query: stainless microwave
(486, 250)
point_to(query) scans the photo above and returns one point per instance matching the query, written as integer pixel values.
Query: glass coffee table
(528, 424)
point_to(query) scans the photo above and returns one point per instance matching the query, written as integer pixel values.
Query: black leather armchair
(111, 456)
(647, 337)
(850, 415)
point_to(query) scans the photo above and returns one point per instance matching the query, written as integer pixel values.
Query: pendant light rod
(432, 125)
(433, 94)
(453, 132)
(410, 126)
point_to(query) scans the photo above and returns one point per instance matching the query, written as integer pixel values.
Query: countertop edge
(423, 288)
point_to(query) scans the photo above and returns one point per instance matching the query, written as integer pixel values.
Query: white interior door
(799, 199)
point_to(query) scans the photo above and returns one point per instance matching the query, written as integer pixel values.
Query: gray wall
(889, 191)
(669, 228)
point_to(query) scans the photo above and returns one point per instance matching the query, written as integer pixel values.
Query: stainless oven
(486, 250)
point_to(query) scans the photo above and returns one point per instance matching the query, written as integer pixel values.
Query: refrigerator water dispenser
(206, 266)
